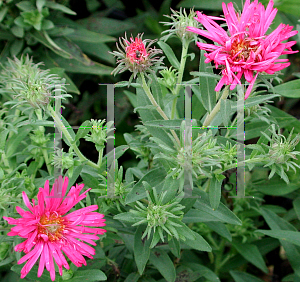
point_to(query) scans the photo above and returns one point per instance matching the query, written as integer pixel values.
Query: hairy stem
(63, 129)
(158, 108)
(216, 109)
(185, 45)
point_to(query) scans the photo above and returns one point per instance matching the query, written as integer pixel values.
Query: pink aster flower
(48, 231)
(246, 50)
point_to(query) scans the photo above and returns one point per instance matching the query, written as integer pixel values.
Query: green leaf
(239, 276)
(19, 21)
(16, 47)
(74, 66)
(40, 4)
(32, 273)
(289, 89)
(132, 98)
(277, 223)
(132, 277)
(155, 177)
(205, 271)
(59, 7)
(222, 212)
(284, 119)
(289, 7)
(296, 205)
(33, 18)
(141, 250)
(215, 5)
(251, 253)
(253, 101)
(25, 6)
(199, 243)
(128, 217)
(167, 124)
(83, 130)
(69, 129)
(170, 54)
(47, 24)
(113, 155)
(146, 115)
(89, 181)
(225, 111)
(97, 23)
(85, 35)
(215, 192)
(253, 129)
(207, 85)
(90, 275)
(11, 147)
(195, 215)
(70, 85)
(163, 263)
(220, 228)
(3, 13)
(17, 31)
(174, 246)
(276, 187)
(290, 236)
(97, 50)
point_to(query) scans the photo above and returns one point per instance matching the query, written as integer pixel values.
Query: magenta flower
(247, 50)
(49, 233)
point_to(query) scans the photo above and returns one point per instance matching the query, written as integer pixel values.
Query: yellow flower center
(240, 50)
(51, 226)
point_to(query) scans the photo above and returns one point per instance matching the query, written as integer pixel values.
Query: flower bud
(98, 135)
(27, 83)
(136, 55)
(63, 160)
(180, 20)
(169, 79)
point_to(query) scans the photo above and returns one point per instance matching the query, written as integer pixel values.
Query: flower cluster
(246, 49)
(48, 232)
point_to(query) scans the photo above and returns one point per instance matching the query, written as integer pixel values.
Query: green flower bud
(159, 216)
(67, 274)
(28, 84)
(179, 23)
(63, 160)
(169, 79)
(98, 134)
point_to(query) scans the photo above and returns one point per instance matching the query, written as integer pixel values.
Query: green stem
(6, 163)
(63, 129)
(228, 130)
(39, 115)
(17, 114)
(154, 103)
(239, 164)
(185, 45)
(211, 239)
(100, 158)
(216, 109)
(219, 256)
(52, 42)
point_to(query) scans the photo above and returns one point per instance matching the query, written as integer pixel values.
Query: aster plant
(209, 156)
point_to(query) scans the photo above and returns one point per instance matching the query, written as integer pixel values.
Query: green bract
(159, 216)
